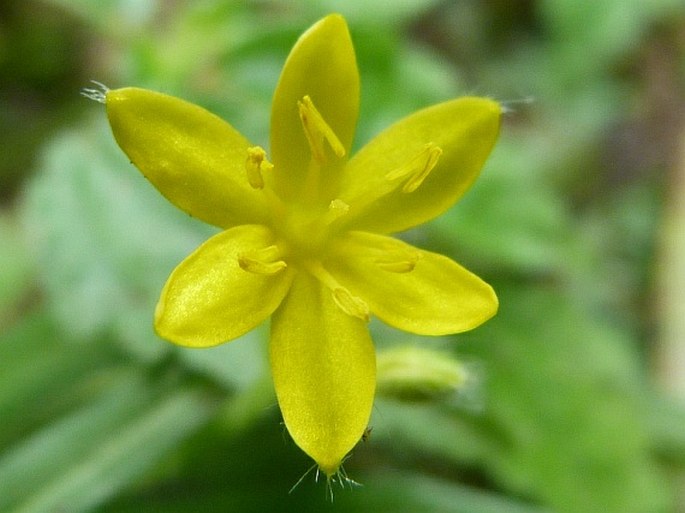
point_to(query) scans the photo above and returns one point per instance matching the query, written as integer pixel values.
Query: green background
(575, 398)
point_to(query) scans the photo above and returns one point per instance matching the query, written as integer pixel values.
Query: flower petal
(321, 65)
(411, 289)
(324, 370)
(464, 129)
(210, 299)
(194, 158)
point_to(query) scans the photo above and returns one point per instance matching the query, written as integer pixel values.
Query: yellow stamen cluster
(270, 260)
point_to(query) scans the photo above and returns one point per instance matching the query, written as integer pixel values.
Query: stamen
(254, 165)
(351, 305)
(262, 261)
(317, 131)
(398, 261)
(418, 168)
(348, 303)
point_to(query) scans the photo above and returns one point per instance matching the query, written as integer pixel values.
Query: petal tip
(488, 308)
(333, 19)
(330, 468)
(333, 24)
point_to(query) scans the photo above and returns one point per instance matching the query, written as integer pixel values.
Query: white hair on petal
(97, 93)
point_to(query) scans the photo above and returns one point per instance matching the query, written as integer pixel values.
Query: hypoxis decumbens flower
(304, 235)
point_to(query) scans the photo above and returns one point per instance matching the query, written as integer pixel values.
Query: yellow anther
(399, 261)
(351, 305)
(262, 261)
(348, 303)
(418, 168)
(254, 165)
(398, 266)
(317, 131)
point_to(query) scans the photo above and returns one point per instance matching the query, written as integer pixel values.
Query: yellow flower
(305, 239)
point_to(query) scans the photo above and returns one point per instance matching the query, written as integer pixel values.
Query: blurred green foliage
(562, 413)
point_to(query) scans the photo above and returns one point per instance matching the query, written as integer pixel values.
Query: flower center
(304, 228)
(303, 232)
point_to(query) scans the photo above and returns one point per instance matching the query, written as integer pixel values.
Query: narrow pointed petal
(194, 158)
(210, 299)
(464, 129)
(324, 370)
(432, 296)
(321, 65)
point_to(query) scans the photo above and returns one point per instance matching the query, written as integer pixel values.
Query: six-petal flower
(304, 236)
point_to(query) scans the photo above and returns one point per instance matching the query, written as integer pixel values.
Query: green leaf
(438, 431)
(404, 491)
(82, 459)
(237, 364)
(566, 408)
(34, 360)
